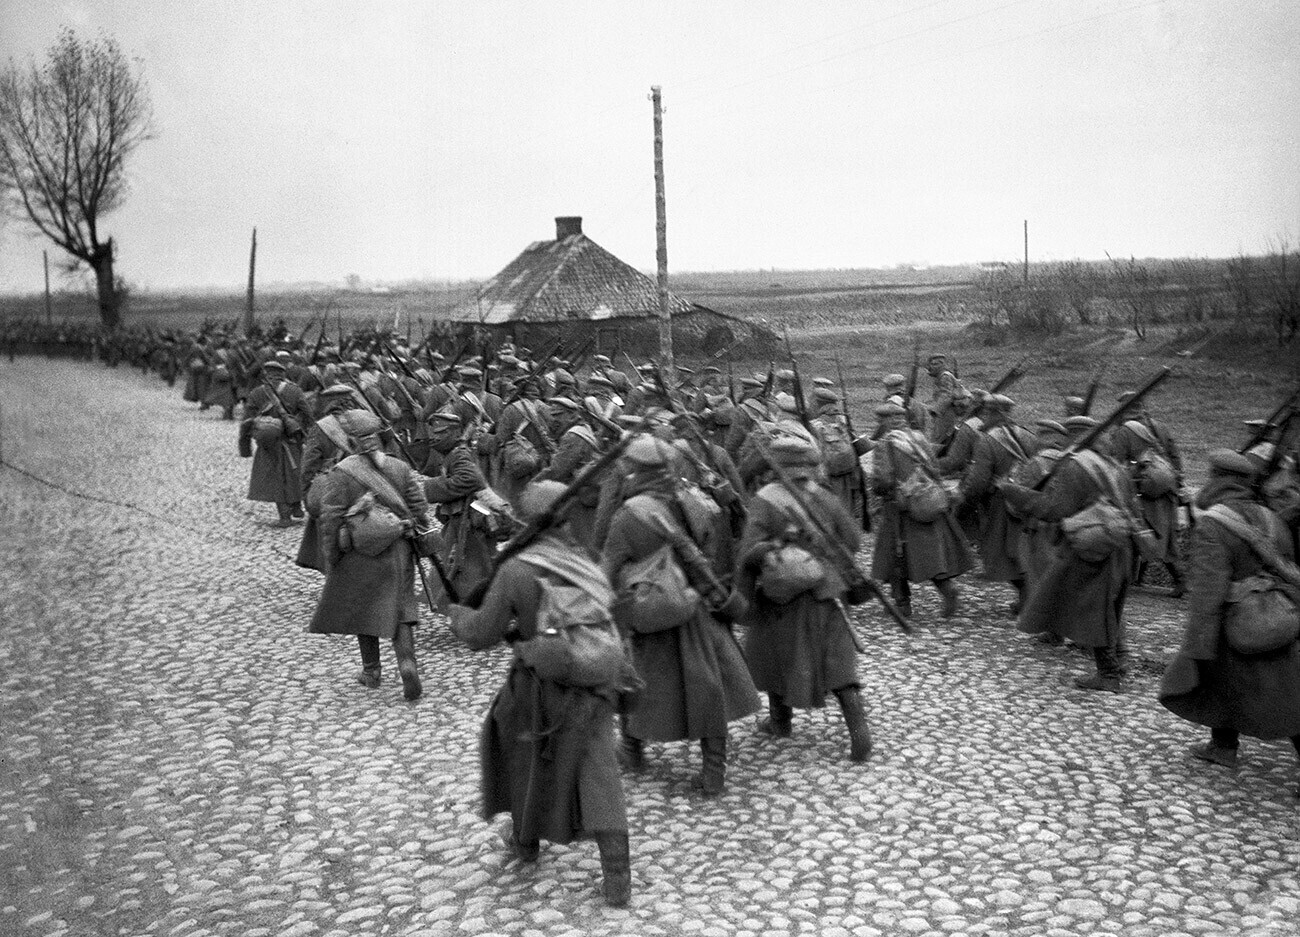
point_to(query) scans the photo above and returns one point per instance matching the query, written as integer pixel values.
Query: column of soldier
(613, 526)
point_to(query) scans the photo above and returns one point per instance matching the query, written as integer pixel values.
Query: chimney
(567, 226)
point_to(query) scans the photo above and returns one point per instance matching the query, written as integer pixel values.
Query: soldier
(1082, 590)
(326, 444)
(751, 409)
(467, 544)
(1035, 535)
(547, 749)
(942, 414)
(913, 545)
(523, 441)
(276, 420)
(1002, 447)
(918, 417)
(369, 587)
(1210, 682)
(695, 675)
(799, 644)
(956, 453)
(839, 450)
(1074, 406)
(1156, 467)
(577, 448)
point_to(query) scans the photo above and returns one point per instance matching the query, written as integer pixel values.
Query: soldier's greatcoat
(696, 678)
(1000, 450)
(466, 550)
(801, 650)
(369, 595)
(1208, 682)
(1077, 599)
(1128, 443)
(547, 751)
(276, 472)
(933, 550)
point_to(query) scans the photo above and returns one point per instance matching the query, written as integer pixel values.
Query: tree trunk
(102, 264)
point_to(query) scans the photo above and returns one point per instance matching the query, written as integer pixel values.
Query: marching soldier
(275, 417)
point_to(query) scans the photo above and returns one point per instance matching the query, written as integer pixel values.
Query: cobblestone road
(179, 758)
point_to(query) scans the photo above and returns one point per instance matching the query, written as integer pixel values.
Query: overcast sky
(401, 140)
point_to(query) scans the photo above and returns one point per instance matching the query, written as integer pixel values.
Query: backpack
(519, 457)
(838, 454)
(921, 495)
(576, 643)
(789, 570)
(1106, 525)
(654, 594)
(371, 525)
(1262, 613)
(267, 430)
(1154, 474)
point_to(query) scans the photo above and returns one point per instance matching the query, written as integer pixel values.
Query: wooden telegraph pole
(249, 304)
(49, 310)
(661, 237)
(1026, 252)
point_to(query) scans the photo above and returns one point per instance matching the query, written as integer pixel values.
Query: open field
(178, 758)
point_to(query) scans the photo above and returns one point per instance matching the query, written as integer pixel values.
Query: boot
(524, 852)
(948, 589)
(1215, 754)
(779, 718)
(404, 648)
(714, 772)
(368, 677)
(615, 868)
(1180, 585)
(1098, 681)
(856, 719)
(631, 752)
(902, 594)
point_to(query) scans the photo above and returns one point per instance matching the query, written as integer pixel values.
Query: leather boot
(713, 774)
(779, 718)
(631, 750)
(948, 589)
(404, 648)
(615, 868)
(1179, 584)
(368, 677)
(855, 717)
(901, 592)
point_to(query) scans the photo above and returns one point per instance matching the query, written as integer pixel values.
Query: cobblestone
(180, 758)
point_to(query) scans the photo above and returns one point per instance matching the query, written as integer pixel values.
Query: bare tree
(67, 126)
(1137, 287)
(1239, 277)
(1281, 276)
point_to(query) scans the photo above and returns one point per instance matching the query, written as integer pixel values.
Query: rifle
(284, 415)
(547, 519)
(410, 460)
(731, 382)
(737, 506)
(853, 439)
(800, 406)
(406, 368)
(1015, 373)
(769, 382)
(1097, 431)
(1271, 423)
(832, 549)
(1093, 386)
(912, 377)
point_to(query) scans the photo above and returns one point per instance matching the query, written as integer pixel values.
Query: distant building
(572, 287)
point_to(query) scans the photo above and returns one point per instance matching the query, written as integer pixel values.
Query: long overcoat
(466, 551)
(1129, 442)
(1074, 598)
(276, 472)
(801, 650)
(1208, 682)
(577, 448)
(933, 550)
(366, 594)
(999, 451)
(695, 675)
(546, 750)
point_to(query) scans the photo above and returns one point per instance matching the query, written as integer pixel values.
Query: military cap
(1079, 424)
(787, 403)
(893, 380)
(539, 496)
(563, 376)
(685, 370)
(1256, 423)
(446, 416)
(710, 369)
(600, 359)
(600, 380)
(564, 403)
(825, 395)
(823, 382)
(785, 374)
(1074, 403)
(889, 409)
(336, 390)
(791, 451)
(646, 367)
(629, 421)
(938, 356)
(469, 372)
(1051, 426)
(751, 382)
(999, 402)
(272, 365)
(358, 423)
(1227, 462)
(646, 452)
(437, 356)
(1127, 396)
